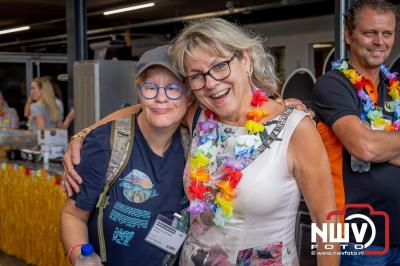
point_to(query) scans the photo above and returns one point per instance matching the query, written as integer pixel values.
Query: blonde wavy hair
(48, 98)
(219, 36)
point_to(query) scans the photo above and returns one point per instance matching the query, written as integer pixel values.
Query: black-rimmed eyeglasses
(173, 91)
(218, 72)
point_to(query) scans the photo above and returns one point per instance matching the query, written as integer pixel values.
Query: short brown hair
(353, 13)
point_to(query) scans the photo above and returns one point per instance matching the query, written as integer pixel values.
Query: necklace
(217, 196)
(370, 110)
(4, 121)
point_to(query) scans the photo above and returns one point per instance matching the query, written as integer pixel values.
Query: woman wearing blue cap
(147, 186)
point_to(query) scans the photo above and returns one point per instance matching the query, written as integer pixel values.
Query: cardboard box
(53, 141)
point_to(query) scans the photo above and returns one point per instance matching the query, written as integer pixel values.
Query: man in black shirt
(359, 123)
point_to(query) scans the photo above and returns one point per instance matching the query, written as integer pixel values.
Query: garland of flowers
(3, 119)
(370, 111)
(30, 203)
(218, 195)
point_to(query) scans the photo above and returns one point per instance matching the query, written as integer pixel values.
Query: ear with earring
(253, 87)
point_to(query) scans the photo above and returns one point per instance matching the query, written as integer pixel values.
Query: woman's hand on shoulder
(72, 158)
(299, 105)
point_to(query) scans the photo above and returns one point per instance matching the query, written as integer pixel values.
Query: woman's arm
(40, 123)
(117, 114)
(72, 155)
(395, 161)
(69, 118)
(73, 228)
(310, 167)
(27, 110)
(67, 121)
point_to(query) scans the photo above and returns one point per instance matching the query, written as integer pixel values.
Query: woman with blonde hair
(247, 166)
(46, 111)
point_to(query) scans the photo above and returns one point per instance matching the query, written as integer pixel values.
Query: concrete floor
(6, 260)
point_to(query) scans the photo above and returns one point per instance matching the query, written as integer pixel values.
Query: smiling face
(36, 91)
(371, 40)
(228, 98)
(162, 112)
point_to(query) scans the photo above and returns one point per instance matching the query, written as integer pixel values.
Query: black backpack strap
(196, 117)
(185, 140)
(273, 135)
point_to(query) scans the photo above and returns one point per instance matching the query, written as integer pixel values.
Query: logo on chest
(137, 187)
(389, 106)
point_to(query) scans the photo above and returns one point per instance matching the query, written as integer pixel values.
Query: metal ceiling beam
(99, 37)
(64, 36)
(76, 39)
(341, 7)
(230, 11)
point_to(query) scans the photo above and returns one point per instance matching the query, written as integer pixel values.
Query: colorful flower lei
(218, 195)
(370, 111)
(4, 120)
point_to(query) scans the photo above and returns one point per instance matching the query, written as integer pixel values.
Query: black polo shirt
(335, 97)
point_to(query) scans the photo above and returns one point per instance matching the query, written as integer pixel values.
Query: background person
(50, 85)
(8, 116)
(357, 95)
(59, 99)
(45, 111)
(151, 182)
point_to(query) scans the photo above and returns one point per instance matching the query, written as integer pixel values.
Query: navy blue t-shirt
(150, 185)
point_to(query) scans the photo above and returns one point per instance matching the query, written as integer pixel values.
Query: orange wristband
(72, 249)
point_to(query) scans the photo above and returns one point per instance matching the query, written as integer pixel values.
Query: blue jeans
(391, 258)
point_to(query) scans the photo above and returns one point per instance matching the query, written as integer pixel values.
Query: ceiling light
(322, 45)
(14, 29)
(125, 9)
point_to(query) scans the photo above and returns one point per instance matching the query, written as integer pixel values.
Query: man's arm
(336, 103)
(364, 143)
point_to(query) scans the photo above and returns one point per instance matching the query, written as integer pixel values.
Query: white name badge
(164, 236)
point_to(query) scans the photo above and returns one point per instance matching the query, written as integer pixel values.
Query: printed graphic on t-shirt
(137, 187)
(122, 237)
(184, 200)
(129, 216)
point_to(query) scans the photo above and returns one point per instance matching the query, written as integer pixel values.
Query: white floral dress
(262, 228)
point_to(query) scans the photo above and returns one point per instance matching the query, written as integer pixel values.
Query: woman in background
(52, 91)
(44, 111)
(8, 116)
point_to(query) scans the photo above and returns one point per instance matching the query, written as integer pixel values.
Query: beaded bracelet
(72, 249)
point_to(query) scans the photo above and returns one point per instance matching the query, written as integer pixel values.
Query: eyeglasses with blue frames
(173, 91)
(218, 72)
